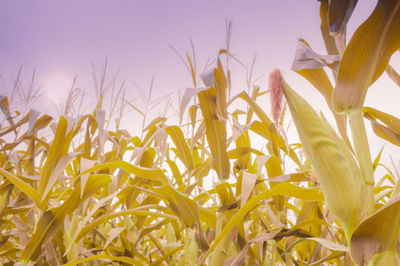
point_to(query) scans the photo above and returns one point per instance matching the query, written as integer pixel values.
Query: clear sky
(61, 38)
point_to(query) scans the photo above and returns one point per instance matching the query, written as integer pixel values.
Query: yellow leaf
(286, 189)
(103, 257)
(55, 153)
(220, 88)
(61, 164)
(52, 220)
(377, 233)
(147, 173)
(390, 121)
(367, 55)
(183, 150)
(215, 132)
(25, 188)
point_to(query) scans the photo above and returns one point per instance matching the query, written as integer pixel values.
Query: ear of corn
(336, 169)
(319, 79)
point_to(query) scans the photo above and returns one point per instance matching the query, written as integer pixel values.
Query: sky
(61, 40)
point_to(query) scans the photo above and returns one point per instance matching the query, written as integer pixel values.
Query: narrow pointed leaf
(393, 75)
(215, 132)
(367, 55)
(183, 150)
(339, 14)
(377, 233)
(24, 187)
(55, 153)
(285, 189)
(328, 39)
(52, 220)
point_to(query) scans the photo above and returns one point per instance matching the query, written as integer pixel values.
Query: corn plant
(341, 171)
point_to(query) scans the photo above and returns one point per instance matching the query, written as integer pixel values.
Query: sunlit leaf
(183, 153)
(367, 55)
(24, 187)
(285, 189)
(377, 233)
(215, 132)
(52, 220)
(105, 257)
(334, 164)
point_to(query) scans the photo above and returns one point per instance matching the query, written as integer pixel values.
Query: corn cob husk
(338, 172)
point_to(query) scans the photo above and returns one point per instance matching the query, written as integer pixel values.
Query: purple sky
(64, 36)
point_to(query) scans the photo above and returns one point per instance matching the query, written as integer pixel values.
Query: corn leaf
(24, 187)
(393, 75)
(390, 121)
(148, 173)
(367, 55)
(5, 193)
(220, 88)
(385, 258)
(61, 164)
(339, 14)
(215, 132)
(102, 219)
(377, 233)
(52, 220)
(285, 189)
(55, 153)
(183, 206)
(319, 79)
(183, 150)
(328, 39)
(104, 257)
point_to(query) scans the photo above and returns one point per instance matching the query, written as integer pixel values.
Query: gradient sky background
(61, 38)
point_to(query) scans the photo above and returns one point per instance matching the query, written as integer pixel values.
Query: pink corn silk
(276, 94)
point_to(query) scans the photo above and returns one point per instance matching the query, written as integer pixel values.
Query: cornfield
(201, 191)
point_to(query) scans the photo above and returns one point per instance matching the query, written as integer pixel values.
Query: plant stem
(363, 155)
